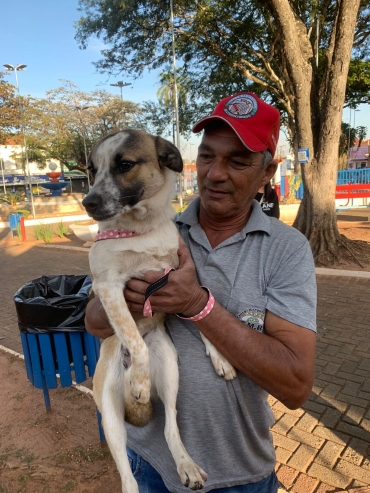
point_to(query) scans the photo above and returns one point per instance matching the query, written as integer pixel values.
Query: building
(12, 175)
(359, 156)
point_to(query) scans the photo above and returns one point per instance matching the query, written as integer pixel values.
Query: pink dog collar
(206, 310)
(112, 234)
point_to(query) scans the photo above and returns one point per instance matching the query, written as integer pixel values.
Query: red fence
(352, 191)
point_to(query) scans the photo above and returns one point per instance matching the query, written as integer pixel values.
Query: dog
(133, 175)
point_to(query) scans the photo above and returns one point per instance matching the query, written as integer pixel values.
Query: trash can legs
(45, 391)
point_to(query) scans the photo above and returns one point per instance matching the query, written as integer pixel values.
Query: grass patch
(23, 478)
(62, 229)
(44, 232)
(19, 231)
(71, 485)
(80, 454)
(24, 455)
(19, 397)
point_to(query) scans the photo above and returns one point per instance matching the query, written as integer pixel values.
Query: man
(269, 200)
(261, 274)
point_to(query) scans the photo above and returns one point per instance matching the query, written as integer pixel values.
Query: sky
(40, 34)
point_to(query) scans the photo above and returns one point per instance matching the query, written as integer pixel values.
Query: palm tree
(166, 93)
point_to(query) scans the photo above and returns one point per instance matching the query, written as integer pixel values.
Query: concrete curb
(321, 271)
(61, 247)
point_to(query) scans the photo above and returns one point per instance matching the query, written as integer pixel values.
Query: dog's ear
(168, 155)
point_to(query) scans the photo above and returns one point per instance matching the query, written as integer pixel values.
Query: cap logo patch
(242, 106)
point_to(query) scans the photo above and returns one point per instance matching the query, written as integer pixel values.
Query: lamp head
(21, 66)
(8, 66)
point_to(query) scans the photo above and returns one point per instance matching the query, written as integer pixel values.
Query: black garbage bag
(51, 304)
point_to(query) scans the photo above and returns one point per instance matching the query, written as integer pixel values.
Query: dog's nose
(91, 202)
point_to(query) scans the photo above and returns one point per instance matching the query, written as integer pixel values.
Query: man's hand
(96, 320)
(182, 293)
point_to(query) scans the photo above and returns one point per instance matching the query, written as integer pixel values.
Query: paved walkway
(324, 447)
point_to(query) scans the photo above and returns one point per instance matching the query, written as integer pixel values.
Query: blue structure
(344, 177)
(49, 355)
(357, 176)
(51, 311)
(15, 221)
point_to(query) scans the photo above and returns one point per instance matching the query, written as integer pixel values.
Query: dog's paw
(191, 475)
(140, 387)
(222, 366)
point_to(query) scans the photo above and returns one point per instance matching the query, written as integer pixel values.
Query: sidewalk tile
(329, 454)
(329, 476)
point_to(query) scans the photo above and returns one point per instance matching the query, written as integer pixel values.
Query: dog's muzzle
(92, 202)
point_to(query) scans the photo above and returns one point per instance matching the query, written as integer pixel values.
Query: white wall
(10, 167)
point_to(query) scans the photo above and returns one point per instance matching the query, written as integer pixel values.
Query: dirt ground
(49, 453)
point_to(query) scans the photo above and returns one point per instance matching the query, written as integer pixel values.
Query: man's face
(229, 175)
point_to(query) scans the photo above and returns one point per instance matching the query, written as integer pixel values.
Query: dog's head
(127, 167)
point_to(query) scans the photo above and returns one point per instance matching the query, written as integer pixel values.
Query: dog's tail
(137, 414)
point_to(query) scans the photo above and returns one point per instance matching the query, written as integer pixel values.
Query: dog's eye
(124, 166)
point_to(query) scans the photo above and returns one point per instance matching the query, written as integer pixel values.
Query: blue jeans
(150, 481)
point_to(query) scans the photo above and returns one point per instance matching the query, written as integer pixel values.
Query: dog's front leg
(165, 378)
(125, 327)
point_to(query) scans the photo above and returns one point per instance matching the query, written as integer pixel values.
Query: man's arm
(281, 361)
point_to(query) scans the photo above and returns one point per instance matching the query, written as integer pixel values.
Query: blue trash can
(15, 221)
(51, 312)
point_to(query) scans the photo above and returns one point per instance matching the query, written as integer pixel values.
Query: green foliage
(62, 229)
(25, 212)
(12, 198)
(19, 231)
(63, 128)
(358, 84)
(44, 232)
(349, 136)
(9, 110)
(224, 47)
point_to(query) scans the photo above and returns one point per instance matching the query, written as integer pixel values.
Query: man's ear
(168, 155)
(268, 171)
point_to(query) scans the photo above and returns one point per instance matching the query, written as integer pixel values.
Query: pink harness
(113, 234)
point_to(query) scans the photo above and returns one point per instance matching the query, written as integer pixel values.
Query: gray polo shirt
(225, 425)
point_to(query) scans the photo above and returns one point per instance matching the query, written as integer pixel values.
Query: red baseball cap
(256, 123)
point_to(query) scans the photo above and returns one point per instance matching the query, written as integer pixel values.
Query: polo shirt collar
(258, 221)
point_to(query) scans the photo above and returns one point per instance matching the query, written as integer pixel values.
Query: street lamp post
(2, 172)
(79, 110)
(121, 84)
(16, 69)
(176, 98)
(349, 129)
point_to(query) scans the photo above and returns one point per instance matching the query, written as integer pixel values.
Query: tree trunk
(318, 113)
(316, 217)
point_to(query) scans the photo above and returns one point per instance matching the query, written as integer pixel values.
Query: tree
(349, 136)
(68, 119)
(295, 52)
(9, 110)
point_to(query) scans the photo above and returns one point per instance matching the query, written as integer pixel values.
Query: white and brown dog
(134, 177)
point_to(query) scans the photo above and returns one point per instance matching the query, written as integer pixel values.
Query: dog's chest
(124, 258)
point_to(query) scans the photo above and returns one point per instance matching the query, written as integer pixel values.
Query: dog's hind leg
(165, 377)
(126, 329)
(109, 397)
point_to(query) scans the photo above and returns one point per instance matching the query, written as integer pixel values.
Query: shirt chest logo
(253, 318)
